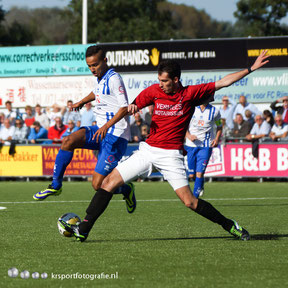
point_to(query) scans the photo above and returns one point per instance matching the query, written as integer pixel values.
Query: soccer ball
(70, 218)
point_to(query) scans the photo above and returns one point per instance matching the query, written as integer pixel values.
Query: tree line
(137, 20)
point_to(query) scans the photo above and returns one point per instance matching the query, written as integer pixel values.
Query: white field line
(150, 200)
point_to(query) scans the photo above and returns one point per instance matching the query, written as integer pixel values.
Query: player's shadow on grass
(253, 238)
(268, 236)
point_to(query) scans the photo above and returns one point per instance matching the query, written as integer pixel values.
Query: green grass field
(163, 244)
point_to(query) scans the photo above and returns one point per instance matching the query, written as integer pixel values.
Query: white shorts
(170, 163)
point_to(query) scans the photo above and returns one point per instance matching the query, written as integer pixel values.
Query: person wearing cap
(227, 111)
(56, 112)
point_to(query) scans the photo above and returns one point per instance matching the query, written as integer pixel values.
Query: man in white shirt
(227, 111)
(200, 140)
(279, 130)
(243, 106)
(41, 117)
(259, 130)
(6, 132)
(9, 113)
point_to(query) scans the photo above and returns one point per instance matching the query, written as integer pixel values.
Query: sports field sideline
(163, 244)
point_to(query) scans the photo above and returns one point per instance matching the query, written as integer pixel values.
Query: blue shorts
(198, 158)
(111, 149)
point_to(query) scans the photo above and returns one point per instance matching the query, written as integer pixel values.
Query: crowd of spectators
(241, 122)
(244, 121)
(44, 126)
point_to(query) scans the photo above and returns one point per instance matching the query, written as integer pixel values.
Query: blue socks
(63, 159)
(198, 186)
(125, 189)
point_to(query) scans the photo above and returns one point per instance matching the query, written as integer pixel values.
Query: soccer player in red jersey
(173, 108)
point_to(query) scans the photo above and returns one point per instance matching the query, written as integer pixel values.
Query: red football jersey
(172, 113)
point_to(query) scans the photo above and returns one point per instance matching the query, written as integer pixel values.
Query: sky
(221, 10)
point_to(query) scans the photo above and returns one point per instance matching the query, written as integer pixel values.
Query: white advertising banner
(263, 86)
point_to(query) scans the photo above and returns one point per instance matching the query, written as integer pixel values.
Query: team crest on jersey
(111, 158)
(121, 89)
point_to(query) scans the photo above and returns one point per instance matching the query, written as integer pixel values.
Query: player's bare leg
(63, 159)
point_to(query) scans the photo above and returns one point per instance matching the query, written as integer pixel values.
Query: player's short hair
(95, 49)
(171, 67)
(8, 102)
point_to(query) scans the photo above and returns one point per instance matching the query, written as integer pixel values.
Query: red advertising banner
(272, 160)
(83, 162)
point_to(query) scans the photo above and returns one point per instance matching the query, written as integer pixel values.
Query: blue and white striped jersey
(110, 96)
(202, 125)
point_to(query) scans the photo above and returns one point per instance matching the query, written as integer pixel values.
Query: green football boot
(239, 232)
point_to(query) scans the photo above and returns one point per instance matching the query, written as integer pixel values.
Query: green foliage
(261, 17)
(36, 27)
(193, 23)
(137, 20)
(121, 20)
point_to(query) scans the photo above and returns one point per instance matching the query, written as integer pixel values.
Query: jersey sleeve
(118, 89)
(203, 93)
(146, 97)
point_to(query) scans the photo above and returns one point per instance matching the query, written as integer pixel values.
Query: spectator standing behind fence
(37, 132)
(9, 113)
(279, 130)
(249, 117)
(21, 131)
(6, 132)
(283, 109)
(71, 128)
(226, 131)
(136, 128)
(28, 117)
(55, 132)
(88, 117)
(71, 115)
(259, 130)
(268, 116)
(41, 117)
(54, 113)
(227, 111)
(241, 127)
(243, 105)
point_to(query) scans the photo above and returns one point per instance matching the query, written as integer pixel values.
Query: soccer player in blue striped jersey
(200, 140)
(110, 136)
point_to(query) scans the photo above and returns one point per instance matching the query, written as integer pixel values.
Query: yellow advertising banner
(27, 161)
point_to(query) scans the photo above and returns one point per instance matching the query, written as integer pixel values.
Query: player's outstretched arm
(78, 105)
(234, 77)
(123, 111)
